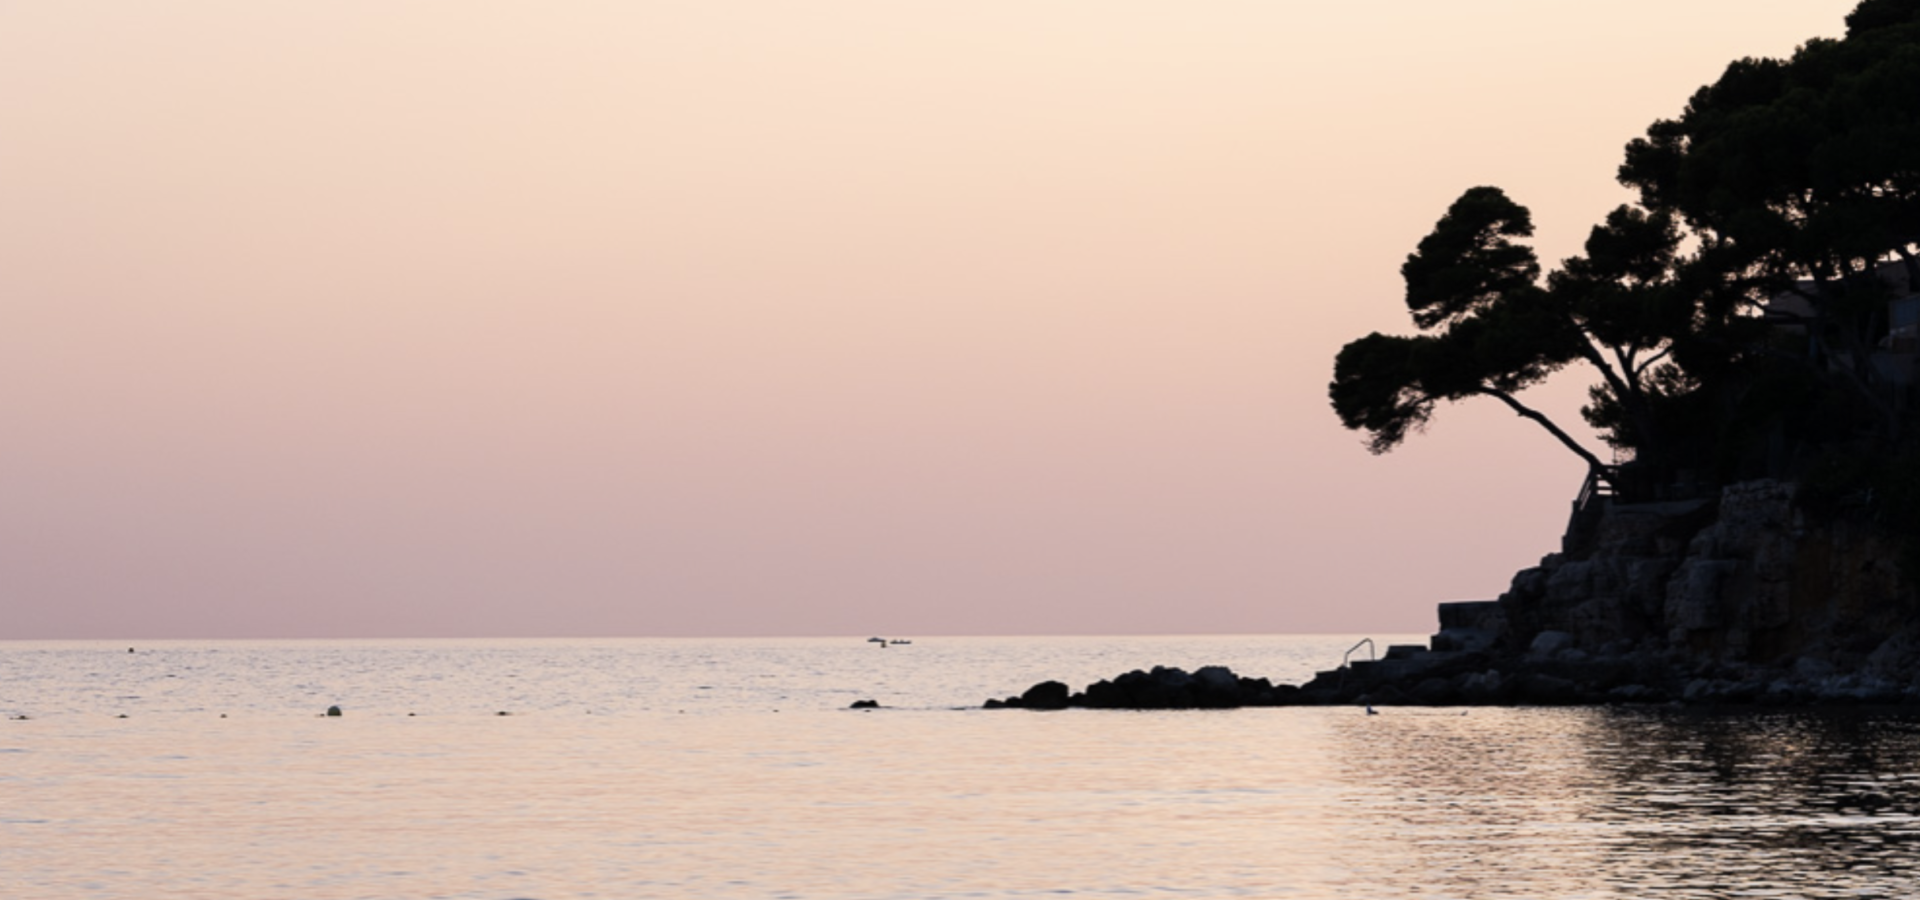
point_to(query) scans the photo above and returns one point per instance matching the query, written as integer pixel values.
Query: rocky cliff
(1746, 597)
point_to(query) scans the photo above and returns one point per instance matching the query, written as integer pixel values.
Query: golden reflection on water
(1304, 802)
(804, 805)
(576, 795)
(1626, 803)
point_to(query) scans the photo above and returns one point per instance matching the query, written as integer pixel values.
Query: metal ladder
(1346, 657)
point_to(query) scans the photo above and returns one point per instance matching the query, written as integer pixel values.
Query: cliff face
(1747, 581)
(1742, 598)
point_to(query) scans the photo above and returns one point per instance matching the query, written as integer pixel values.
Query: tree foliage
(1802, 176)
(1493, 328)
(1797, 177)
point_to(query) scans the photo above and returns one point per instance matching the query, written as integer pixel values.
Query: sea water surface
(733, 768)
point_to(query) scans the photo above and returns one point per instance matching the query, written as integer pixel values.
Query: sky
(719, 318)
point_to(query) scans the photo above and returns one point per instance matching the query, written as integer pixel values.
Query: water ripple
(732, 801)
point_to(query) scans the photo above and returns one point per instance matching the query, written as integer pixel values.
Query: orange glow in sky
(752, 318)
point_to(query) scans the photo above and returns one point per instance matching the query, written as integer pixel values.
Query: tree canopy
(1784, 178)
(1492, 330)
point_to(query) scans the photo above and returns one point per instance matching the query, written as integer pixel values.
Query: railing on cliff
(1346, 659)
(1588, 506)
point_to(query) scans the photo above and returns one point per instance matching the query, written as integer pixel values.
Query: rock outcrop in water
(1212, 687)
(1741, 598)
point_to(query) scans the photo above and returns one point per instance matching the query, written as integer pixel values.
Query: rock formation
(1741, 598)
(1212, 687)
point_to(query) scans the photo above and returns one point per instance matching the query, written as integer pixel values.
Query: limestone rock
(1742, 598)
(1547, 643)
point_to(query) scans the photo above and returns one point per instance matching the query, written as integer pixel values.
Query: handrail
(1364, 642)
(1344, 667)
(1596, 485)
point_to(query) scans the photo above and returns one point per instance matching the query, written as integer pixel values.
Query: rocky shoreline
(1743, 598)
(1567, 677)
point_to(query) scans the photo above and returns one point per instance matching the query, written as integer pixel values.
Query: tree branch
(1629, 374)
(1526, 412)
(1649, 361)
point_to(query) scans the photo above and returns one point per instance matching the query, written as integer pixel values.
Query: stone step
(1404, 651)
(1481, 614)
(1462, 639)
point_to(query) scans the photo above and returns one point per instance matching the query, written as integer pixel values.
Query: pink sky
(363, 319)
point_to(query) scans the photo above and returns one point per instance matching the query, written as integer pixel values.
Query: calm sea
(732, 768)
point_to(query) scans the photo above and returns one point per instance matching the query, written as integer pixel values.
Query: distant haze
(722, 318)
